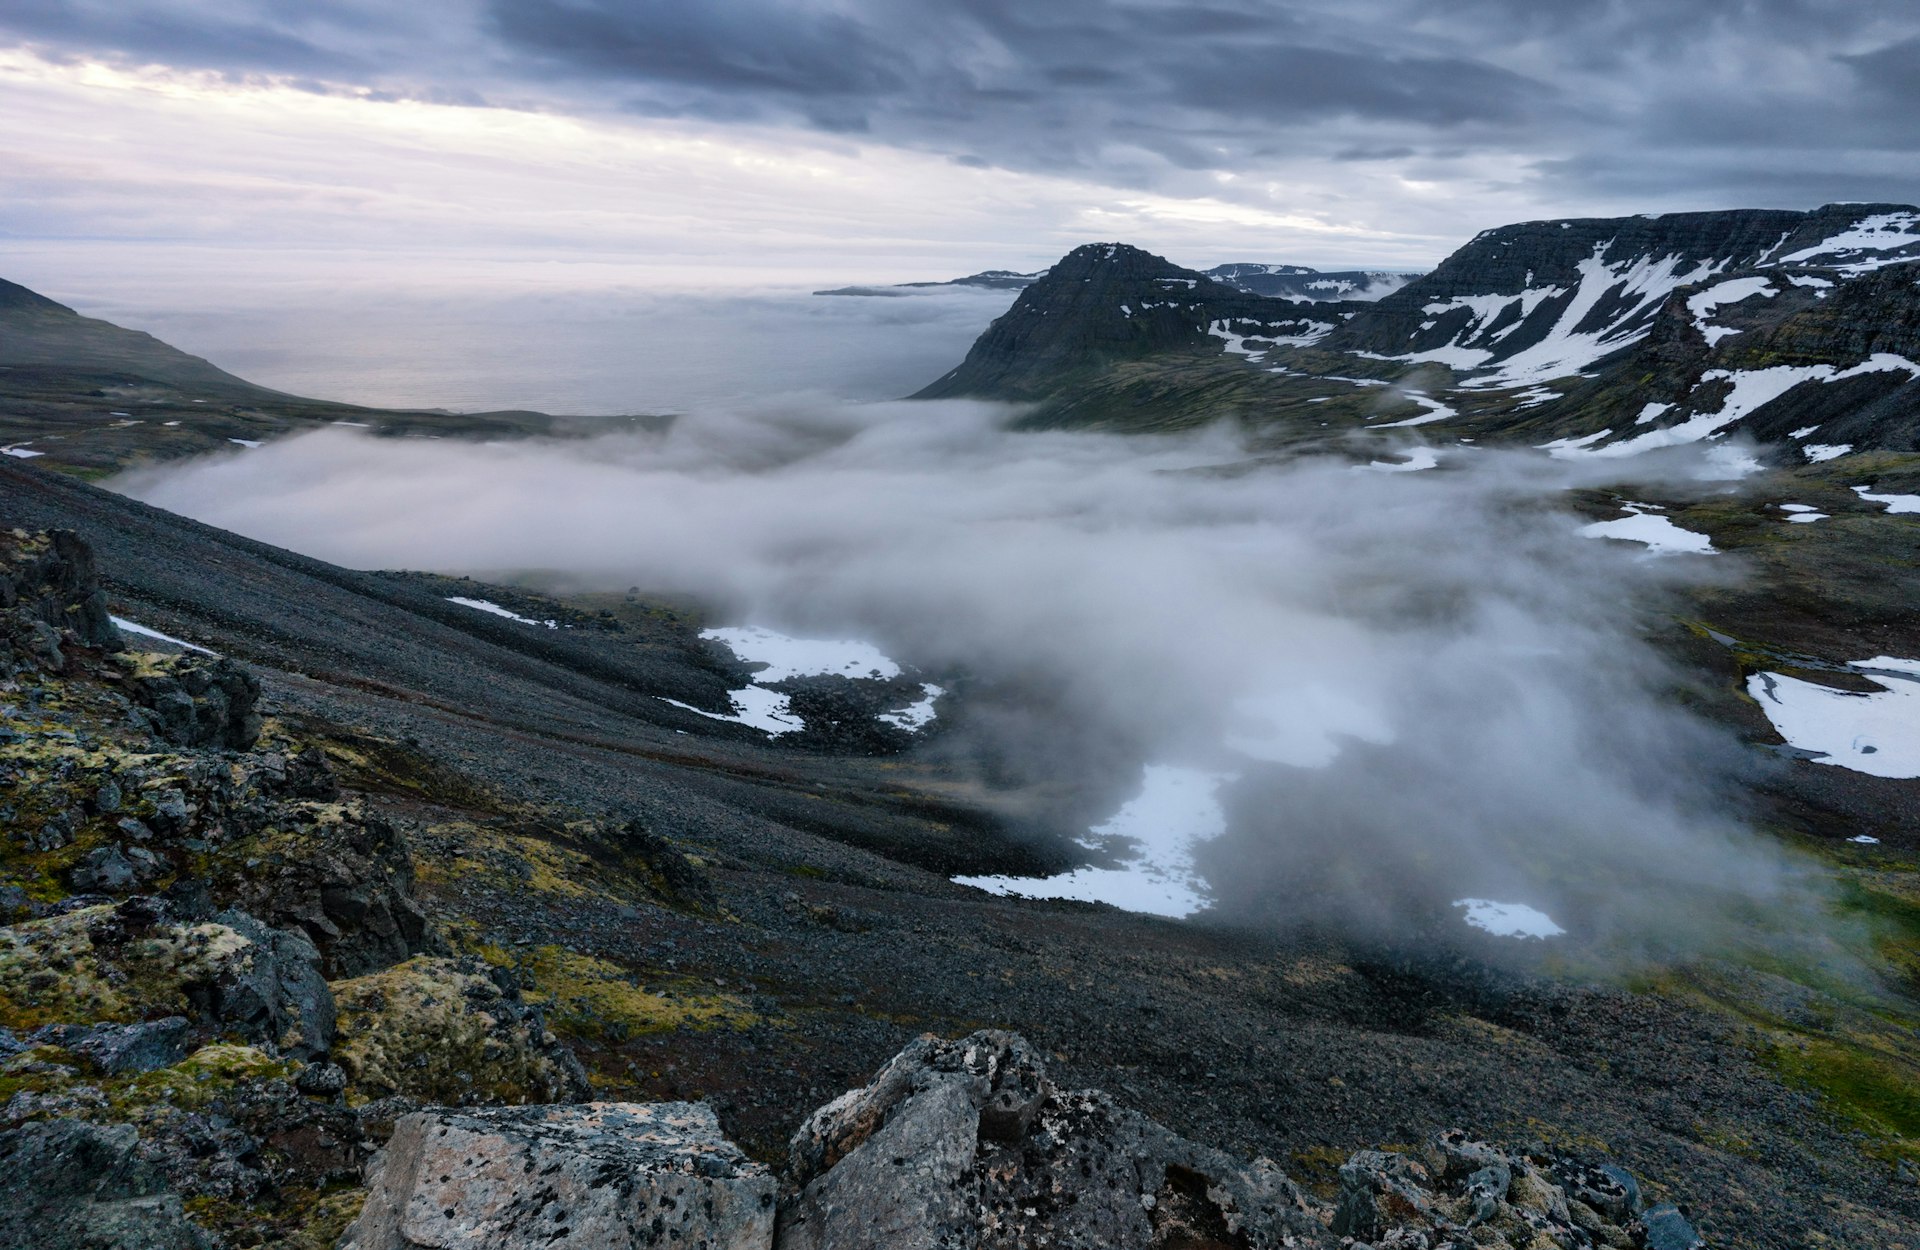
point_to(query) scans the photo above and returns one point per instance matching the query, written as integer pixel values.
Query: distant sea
(505, 337)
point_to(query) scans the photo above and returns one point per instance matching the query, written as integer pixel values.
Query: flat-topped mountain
(986, 279)
(1297, 282)
(1294, 282)
(1540, 300)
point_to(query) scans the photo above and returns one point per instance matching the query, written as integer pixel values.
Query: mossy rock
(600, 1001)
(52, 971)
(451, 1031)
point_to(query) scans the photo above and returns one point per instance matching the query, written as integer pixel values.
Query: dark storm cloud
(1555, 94)
(719, 45)
(1893, 71)
(239, 40)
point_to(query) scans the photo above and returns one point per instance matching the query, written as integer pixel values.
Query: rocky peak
(1104, 302)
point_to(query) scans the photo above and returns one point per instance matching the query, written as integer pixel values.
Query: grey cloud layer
(1813, 93)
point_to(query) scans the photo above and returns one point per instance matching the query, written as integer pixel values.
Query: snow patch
(784, 656)
(133, 627)
(1435, 411)
(1177, 810)
(481, 605)
(1895, 503)
(916, 716)
(1564, 448)
(1848, 250)
(1733, 291)
(1816, 452)
(1659, 533)
(1418, 458)
(1752, 390)
(1874, 733)
(1515, 920)
(787, 657)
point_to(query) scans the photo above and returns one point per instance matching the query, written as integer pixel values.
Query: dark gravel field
(826, 925)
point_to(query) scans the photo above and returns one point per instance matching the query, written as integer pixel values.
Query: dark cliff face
(1108, 302)
(1833, 361)
(1547, 299)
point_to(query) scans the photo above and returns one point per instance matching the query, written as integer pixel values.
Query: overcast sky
(874, 139)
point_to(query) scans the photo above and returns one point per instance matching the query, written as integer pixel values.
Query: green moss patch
(600, 1001)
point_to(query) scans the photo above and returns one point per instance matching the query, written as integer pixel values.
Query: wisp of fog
(1422, 686)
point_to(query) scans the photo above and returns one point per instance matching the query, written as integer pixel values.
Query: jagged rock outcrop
(968, 1144)
(50, 595)
(337, 873)
(135, 961)
(1105, 303)
(956, 1145)
(79, 1186)
(198, 701)
(614, 1176)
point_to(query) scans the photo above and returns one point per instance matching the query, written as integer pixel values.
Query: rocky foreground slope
(220, 994)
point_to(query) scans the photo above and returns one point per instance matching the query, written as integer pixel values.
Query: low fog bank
(1425, 685)
(504, 342)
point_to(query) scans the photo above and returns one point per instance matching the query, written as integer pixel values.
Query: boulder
(451, 1031)
(51, 593)
(967, 1144)
(614, 1176)
(276, 994)
(1668, 1229)
(337, 873)
(87, 1188)
(134, 961)
(118, 1049)
(197, 700)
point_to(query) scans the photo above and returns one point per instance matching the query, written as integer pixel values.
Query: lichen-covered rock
(339, 874)
(615, 1176)
(50, 592)
(80, 1186)
(967, 1144)
(118, 1049)
(131, 962)
(450, 1031)
(197, 700)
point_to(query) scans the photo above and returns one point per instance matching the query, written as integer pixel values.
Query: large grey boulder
(612, 1176)
(79, 1186)
(958, 1145)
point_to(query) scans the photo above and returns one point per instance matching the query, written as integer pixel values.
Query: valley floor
(816, 930)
